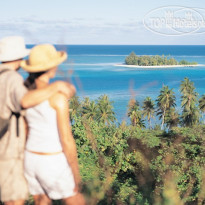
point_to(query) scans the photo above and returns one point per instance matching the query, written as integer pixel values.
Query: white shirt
(43, 133)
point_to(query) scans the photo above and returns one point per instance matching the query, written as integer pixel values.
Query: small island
(155, 61)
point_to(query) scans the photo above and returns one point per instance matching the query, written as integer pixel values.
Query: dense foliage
(156, 60)
(130, 164)
(136, 163)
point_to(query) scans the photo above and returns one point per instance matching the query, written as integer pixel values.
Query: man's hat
(12, 48)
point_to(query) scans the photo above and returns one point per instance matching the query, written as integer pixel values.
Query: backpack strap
(17, 115)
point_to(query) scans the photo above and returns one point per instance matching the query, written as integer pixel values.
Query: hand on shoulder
(66, 88)
(59, 101)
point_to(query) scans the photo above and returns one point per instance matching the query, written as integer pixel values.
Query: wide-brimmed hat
(12, 48)
(42, 58)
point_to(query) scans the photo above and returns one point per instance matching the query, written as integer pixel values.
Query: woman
(51, 166)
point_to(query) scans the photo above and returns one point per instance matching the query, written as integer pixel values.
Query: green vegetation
(165, 101)
(130, 164)
(156, 60)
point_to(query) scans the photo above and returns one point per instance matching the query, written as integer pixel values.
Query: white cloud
(92, 31)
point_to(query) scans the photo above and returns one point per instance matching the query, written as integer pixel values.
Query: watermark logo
(175, 20)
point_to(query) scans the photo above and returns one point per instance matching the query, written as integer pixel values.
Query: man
(13, 97)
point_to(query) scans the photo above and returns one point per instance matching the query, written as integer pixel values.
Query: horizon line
(120, 44)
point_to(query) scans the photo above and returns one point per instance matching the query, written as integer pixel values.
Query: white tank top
(43, 133)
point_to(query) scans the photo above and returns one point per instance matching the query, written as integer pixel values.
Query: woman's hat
(12, 48)
(42, 58)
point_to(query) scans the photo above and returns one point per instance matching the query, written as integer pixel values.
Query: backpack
(4, 123)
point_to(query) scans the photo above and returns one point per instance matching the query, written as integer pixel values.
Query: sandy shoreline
(159, 66)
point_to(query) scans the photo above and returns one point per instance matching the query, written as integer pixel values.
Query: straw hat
(42, 58)
(12, 48)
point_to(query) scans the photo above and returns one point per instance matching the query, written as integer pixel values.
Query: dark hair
(30, 81)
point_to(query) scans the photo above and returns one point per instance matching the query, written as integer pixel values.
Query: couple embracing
(46, 163)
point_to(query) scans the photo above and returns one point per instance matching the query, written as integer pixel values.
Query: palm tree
(90, 110)
(186, 85)
(202, 103)
(104, 101)
(75, 107)
(123, 125)
(148, 109)
(190, 117)
(105, 113)
(189, 96)
(86, 101)
(172, 118)
(135, 114)
(190, 113)
(165, 101)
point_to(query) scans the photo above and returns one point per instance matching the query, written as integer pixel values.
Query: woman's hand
(77, 180)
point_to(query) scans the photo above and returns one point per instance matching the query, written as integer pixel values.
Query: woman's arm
(60, 103)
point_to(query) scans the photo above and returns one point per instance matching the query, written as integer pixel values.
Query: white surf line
(159, 66)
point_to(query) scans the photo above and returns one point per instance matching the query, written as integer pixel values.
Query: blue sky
(90, 22)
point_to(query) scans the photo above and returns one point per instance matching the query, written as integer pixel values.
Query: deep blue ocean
(92, 69)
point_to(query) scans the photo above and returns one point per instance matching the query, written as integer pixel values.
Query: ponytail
(30, 81)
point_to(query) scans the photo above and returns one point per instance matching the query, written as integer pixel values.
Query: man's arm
(34, 97)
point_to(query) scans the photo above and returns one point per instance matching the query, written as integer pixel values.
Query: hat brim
(62, 56)
(13, 57)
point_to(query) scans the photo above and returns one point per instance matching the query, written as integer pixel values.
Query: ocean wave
(119, 70)
(129, 69)
(188, 56)
(120, 55)
(198, 79)
(98, 55)
(171, 55)
(93, 64)
(176, 83)
(89, 64)
(119, 95)
(144, 54)
(174, 55)
(153, 68)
